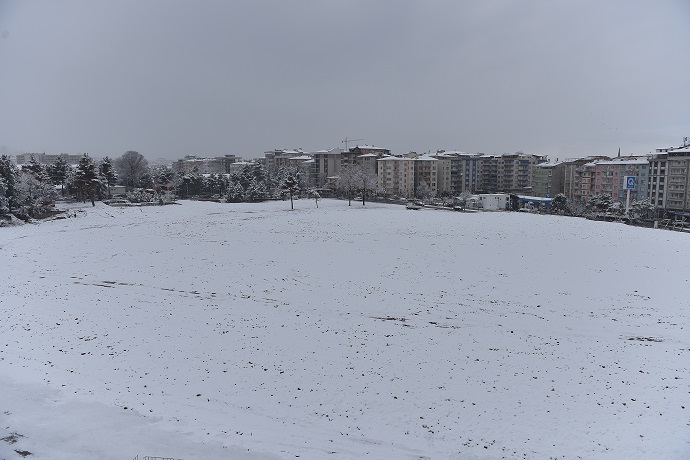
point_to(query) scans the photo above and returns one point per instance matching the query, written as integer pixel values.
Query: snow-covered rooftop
(391, 158)
(370, 147)
(624, 161)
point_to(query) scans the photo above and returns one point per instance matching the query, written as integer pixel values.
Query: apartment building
(213, 165)
(547, 179)
(276, 159)
(350, 158)
(47, 159)
(669, 181)
(326, 164)
(583, 182)
(507, 173)
(396, 176)
(609, 177)
(426, 174)
(462, 168)
(571, 173)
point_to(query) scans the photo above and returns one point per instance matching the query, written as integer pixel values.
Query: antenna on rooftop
(346, 140)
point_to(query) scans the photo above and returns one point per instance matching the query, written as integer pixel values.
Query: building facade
(547, 179)
(396, 176)
(214, 165)
(669, 181)
(609, 178)
(507, 173)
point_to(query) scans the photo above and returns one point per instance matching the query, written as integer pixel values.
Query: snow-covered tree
(4, 202)
(131, 167)
(257, 191)
(367, 181)
(347, 183)
(461, 200)
(423, 191)
(291, 187)
(85, 180)
(37, 170)
(235, 193)
(559, 205)
(600, 202)
(163, 175)
(107, 173)
(59, 172)
(34, 192)
(642, 209)
(142, 196)
(8, 172)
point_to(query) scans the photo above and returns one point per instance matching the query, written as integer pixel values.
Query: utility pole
(346, 140)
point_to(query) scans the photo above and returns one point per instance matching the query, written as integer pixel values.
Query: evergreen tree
(235, 193)
(256, 192)
(642, 209)
(37, 170)
(59, 172)
(86, 179)
(8, 172)
(163, 175)
(291, 187)
(600, 202)
(4, 202)
(107, 173)
(559, 205)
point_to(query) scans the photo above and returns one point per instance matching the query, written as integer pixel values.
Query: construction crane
(346, 140)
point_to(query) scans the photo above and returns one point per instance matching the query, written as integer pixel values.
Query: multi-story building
(547, 179)
(350, 158)
(396, 176)
(583, 182)
(426, 175)
(507, 173)
(463, 171)
(570, 173)
(469, 165)
(669, 178)
(609, 177)
(214, 165)
(276, 159)
(47, 159)
(326, 164)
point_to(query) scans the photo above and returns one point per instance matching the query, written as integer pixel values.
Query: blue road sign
(630, 182)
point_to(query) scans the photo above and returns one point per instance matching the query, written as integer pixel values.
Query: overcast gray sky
(172, 78)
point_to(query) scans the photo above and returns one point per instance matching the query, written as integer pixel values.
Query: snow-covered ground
(248, 331)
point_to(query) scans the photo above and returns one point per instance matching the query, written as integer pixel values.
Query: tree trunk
(291, 204)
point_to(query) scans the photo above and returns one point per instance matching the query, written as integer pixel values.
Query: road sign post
(630, 183)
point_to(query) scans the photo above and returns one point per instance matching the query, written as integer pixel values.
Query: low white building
(494, 201)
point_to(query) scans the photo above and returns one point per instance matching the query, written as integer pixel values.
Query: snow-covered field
(247, 331)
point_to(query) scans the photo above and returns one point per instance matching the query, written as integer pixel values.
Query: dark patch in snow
(12, 438)
(646, 339)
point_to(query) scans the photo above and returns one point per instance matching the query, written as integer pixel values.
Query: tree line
(30, 190)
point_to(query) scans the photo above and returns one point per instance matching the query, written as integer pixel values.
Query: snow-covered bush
(142, 196)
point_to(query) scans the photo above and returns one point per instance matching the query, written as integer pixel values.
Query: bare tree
(357, 178)
(367, 181)
(131, 166)
(347, 182)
